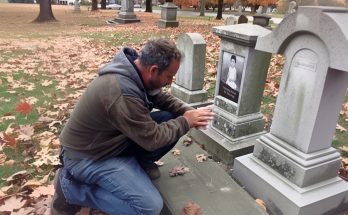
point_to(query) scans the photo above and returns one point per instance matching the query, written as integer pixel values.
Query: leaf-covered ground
(44, 68)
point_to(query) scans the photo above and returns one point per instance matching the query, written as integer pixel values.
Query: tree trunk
(148, 7)
(103, 4)
(94, 5)
(202, 7)
(46, 14)
(219, 12)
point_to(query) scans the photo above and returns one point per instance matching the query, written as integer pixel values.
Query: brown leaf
(43, 191)
(344, 148)
(12, 203)
(188, 141)
(340, 128)
(17, 177)
(178, 170)
(9, 140)
(201, 157)
(191, 208)
(176, 152)
(345, 161)
(261, 203)
(2, 159)
(10, 163)
(159, 163)
(23, 108)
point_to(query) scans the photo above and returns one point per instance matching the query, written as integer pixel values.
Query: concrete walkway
(206, 184)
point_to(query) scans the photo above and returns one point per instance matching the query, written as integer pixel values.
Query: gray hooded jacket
(115, 108)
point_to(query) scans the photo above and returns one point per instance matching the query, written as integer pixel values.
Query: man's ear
(153, 69)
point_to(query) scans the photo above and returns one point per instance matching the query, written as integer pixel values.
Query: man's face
(161, 79)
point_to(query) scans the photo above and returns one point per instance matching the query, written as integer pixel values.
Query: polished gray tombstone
(127, 14)
(238, 94)
(189, 80)
(168, 16)
(294, 168)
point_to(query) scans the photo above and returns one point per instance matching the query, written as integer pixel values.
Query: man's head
(158, 62)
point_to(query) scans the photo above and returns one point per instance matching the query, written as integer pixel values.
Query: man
(113, 137)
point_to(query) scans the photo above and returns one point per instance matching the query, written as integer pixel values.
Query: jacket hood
(121, 64)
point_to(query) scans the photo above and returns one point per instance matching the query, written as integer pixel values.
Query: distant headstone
(168, 16)
(262, 20)
(291, 8)
(293, 167)
(77, 6)
(231, 20)
(259, 10)
(240, 9)
(242, 19)
(239, 86)
(127, 14)
(189, 80)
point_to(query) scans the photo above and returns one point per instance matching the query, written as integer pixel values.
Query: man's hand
(200, 117)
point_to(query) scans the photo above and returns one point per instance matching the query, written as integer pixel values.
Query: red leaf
(9, 140)
(23, 108)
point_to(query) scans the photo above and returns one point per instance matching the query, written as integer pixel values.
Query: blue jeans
(117, 185)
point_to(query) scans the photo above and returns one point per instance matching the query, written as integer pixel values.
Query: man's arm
(168, 102)
(132, 118)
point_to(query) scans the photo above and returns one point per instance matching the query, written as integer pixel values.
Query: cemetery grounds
(44, 68)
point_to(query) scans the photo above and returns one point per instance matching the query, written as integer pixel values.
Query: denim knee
(150, 204)
(153, 205)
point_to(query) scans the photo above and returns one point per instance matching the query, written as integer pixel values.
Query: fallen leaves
(159, 163)
(13, 203)
(176, 152)
(178, 170)
(340, 128)
(191, 208)
(201, 157)
(8, 140)
(343, 171)
(187, 142)
(261, 203)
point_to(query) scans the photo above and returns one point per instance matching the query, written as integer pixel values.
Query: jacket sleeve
(168, 102)
(132, 118)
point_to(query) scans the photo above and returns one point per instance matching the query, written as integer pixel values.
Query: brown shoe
(59, 206)
(151, 170)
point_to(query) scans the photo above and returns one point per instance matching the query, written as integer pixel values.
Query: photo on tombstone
(232, 66)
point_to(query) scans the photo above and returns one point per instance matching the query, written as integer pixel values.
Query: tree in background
(94, 5)
(219, 12)
(103, 4)
(45, 14)
(202, 7)
(148, 6)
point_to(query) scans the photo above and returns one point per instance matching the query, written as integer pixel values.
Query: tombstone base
(167, 24)
(222, 148)
(125, 21)
(283, 197)
(126, 17)
(189, 96)
(299, 168)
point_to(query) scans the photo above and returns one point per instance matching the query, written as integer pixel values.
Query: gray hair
(159, 52)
